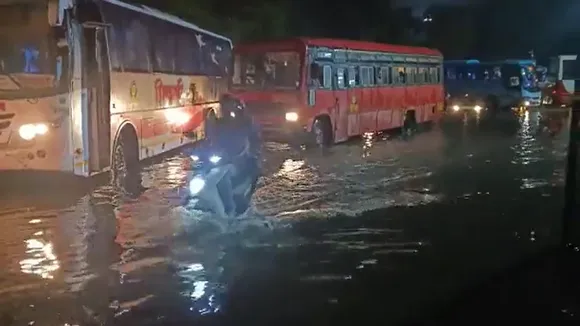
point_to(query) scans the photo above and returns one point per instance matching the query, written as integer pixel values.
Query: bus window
(411, 75)
(363, 76)
(370, 76)
(315, 76)
(385, 75)
(427, 76)
(433, 75)
(367, 76)
(340, 78)
(450, 74)
(327, 76)
(379, 75)
(352, 77)
(496, 73)
(401, 75)
(421, 76)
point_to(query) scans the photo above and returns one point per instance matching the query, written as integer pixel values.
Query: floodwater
(379, 228)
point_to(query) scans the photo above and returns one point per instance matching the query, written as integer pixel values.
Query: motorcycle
(216, 179)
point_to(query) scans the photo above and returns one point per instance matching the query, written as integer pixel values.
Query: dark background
(459, 28)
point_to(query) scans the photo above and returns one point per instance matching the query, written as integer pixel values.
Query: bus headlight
(477, 108)
(291, 116)
(29, 131)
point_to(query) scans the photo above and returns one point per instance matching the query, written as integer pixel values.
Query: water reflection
(367, 143)
(204, 295)
(42, 261)
(108, 256)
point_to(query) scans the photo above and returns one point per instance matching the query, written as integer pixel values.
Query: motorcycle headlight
(215, 159)
(196, 185)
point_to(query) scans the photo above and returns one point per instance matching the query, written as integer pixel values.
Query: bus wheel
(409, 124)
(492, 104)
(126, 174)
(321, 135)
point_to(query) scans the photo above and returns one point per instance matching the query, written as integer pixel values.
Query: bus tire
(492, 104)
(125, 168)
(409, 124)
(322, 132)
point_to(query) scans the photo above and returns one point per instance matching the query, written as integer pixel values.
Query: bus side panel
(411, 98)
(153, 104)
(423, 107)
(368, 112)
(385, 112)
(399, 105)
(354, 100)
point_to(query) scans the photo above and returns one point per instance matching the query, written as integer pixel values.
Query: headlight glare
(30, 130)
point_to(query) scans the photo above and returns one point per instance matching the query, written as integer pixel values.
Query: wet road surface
(376, 227)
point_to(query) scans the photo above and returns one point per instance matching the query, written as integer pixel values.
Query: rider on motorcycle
(237, 137)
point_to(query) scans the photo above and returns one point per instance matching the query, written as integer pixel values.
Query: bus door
(79, 145)
(353, 102)
(96, 81)
(342, 103)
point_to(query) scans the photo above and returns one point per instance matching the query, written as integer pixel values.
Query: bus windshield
(530, 78)
(28, 57)
(270, 70)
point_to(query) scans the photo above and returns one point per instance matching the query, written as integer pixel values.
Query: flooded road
(376, 227)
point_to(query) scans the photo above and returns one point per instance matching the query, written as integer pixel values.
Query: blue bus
(506, 83)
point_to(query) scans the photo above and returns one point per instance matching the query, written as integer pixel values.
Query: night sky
(420, 5)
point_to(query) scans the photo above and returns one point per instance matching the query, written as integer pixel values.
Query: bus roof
(303, 42)
(499, 62)
(470, 62)
(167, 17)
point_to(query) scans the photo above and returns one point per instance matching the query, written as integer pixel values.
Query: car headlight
(196, 185)
(526, 103)
(215, 159)
(194, 158)
(456, 108)
(30, 130)
(291, 116)
(477, 108)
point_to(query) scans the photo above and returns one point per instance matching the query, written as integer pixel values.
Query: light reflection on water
(42, 260)
(128, 252)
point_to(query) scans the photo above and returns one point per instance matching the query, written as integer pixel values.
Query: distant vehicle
(563, 72)
(102, 84)
(324, 91)
(501, 84)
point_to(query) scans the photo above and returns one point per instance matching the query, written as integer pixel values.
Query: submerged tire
(125, 168)
(321, 133)
(409, 124)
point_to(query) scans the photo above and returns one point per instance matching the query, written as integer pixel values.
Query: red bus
(327, 90)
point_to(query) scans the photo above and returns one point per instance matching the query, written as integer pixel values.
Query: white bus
(88, 86)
